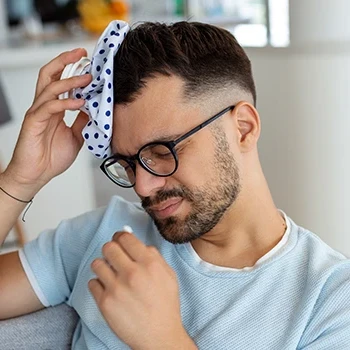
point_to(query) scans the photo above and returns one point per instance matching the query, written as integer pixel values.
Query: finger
(96, 289)
(54, 89)
(117, 257)
(53, 70)
(104, 272)
(45, 111)
(78, 126)
(131, 245)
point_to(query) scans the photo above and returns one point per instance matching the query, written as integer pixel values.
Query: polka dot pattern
(98, 95)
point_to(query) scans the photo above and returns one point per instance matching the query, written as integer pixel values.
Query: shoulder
(117, 211)
(104, 222)
(327, 286)
(316, 252)
(327, 264)
(323, 277)
(73, 237)
(121, 212)
(319, 267)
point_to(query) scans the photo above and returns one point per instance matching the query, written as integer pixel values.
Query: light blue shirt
(295, 297)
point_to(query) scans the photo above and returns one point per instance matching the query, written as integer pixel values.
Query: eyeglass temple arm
(201, 126)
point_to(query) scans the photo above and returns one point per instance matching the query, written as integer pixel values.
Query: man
(212, 263)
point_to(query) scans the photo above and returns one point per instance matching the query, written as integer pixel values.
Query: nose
(147, 184)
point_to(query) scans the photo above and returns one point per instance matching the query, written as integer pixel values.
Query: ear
(248, 125)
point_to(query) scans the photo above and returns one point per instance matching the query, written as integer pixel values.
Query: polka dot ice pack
(98, 95)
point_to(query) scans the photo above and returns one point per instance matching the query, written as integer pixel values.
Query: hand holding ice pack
(98, 95)
(75, 69)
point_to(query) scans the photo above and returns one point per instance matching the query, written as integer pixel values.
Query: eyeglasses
(158, 158)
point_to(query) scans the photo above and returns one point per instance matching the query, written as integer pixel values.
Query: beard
(208, 203)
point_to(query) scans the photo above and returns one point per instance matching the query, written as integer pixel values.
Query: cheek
(196, 167)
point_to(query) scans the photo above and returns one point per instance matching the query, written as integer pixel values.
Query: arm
(16, 294)
(46, 147)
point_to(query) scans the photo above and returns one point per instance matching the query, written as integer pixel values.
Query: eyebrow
(165, 138)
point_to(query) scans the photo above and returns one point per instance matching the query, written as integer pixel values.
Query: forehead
(160, 111)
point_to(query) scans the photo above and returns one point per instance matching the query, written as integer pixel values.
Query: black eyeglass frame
(168, 144)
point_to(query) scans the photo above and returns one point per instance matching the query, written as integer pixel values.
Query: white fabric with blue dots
(98, 95)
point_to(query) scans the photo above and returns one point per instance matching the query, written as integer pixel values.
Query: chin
(178, 231)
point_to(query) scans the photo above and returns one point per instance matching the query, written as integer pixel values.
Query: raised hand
(46, 146)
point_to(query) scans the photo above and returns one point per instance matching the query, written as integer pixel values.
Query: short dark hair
(206, 57)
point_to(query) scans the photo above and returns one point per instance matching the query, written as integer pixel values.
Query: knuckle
(62, 57)
(152, 251)
(71, 82)
(62, 54)
(133, 277)
(50, 88)
(29, 113)
(105, 302)
(42, 71)
(51, 106)
(113, 293)
(43, 76)
(108, 248)
(96, 264)
(76, 80)
(152, 265)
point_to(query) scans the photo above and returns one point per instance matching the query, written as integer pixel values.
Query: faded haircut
(205, 57)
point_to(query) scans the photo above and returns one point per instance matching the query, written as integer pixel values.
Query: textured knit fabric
(298, 298)
(47, 329)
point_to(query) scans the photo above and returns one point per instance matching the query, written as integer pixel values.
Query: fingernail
(127, 228)
(75, 50)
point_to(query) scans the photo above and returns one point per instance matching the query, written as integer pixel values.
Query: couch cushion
(50, 328)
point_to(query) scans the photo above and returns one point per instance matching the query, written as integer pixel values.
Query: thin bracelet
(30, 202)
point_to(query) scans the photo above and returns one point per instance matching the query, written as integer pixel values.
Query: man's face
(192, 201)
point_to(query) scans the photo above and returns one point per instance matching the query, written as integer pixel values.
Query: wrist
(185, 342)
(17, 189)
(179, 341)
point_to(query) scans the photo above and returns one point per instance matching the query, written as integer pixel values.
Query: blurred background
(300, 52)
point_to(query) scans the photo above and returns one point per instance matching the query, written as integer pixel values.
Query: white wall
(314, 21)
(303, 100)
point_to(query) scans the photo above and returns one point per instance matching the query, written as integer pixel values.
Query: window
(253, 22)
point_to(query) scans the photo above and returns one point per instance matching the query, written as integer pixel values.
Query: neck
(250, 228)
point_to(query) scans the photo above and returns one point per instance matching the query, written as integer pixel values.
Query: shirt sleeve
(329, 325)
(51, 261)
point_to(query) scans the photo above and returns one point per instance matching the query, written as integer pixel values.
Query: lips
(166, 208)
(165, 204)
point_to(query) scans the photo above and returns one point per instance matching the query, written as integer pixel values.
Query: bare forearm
(10, 208)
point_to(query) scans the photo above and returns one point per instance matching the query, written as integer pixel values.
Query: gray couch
(50, 328)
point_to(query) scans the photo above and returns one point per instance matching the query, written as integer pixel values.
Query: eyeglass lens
(157, 158)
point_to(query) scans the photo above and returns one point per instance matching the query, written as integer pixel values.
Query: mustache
(163, 195)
